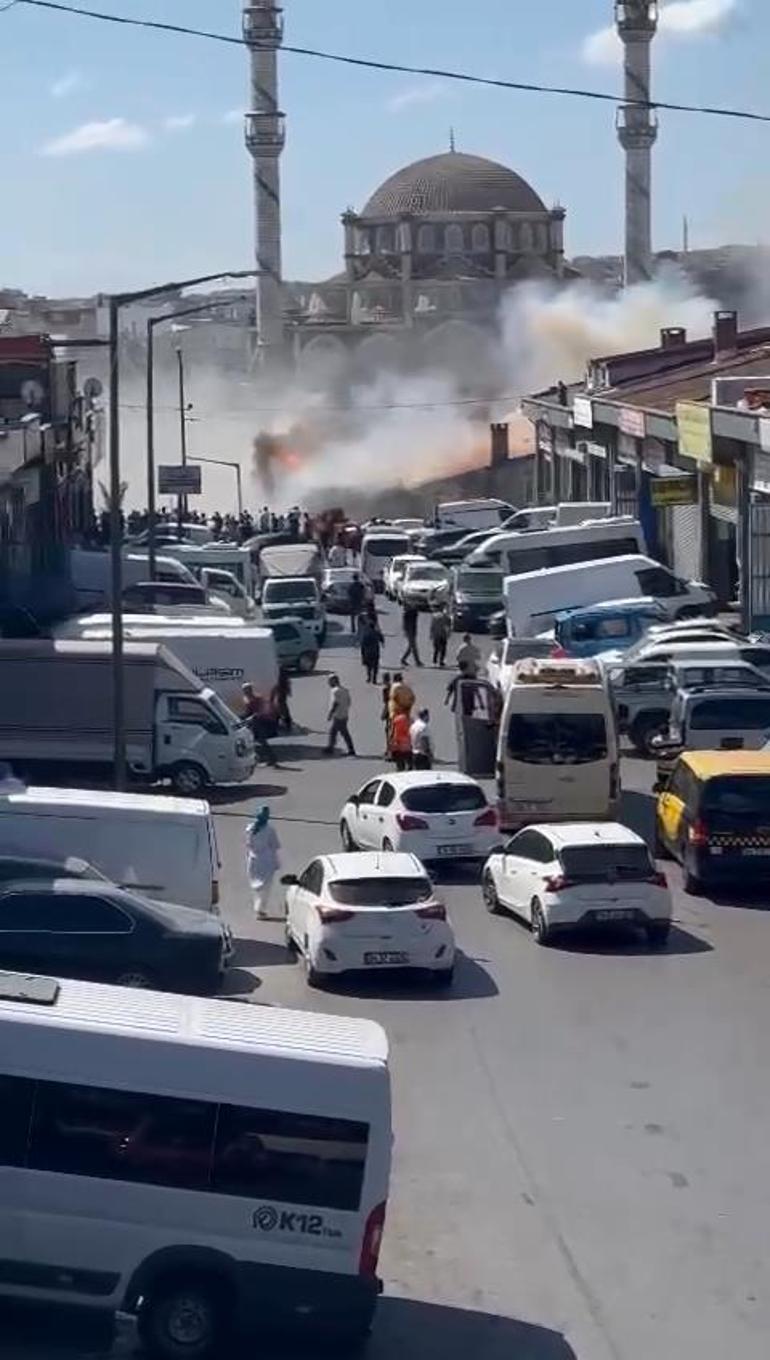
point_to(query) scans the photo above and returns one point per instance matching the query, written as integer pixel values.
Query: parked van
(486, 513)
(713, 815)
(534, 600)
(514, 554)
(567, 512)
(213, 1169)
(158, 846)
(377, 552)
(611, 625)
(91, 574)
(557, 755)
(299, 596)
(217, 557)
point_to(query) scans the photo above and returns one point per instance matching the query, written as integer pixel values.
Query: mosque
(427, 262)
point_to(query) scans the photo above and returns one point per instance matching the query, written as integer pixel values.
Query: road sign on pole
(180, 480)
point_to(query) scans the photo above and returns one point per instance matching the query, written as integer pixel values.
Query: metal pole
(237, 467)
(181, 503)
(151, 534)
(116, 548)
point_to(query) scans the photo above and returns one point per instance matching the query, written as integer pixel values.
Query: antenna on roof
(452, 146)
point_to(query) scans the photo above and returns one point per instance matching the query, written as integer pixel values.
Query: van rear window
(557, 738)
(713, 715)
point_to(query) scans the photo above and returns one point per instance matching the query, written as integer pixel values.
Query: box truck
(56, 708)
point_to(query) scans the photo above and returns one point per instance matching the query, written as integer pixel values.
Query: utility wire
(465, 77)
(324, 410)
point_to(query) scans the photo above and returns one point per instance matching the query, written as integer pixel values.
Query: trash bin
(476, 725)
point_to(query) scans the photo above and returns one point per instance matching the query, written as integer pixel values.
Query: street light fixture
(223, 462)
(117, 301)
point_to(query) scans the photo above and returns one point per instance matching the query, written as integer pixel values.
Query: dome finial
(452, 146)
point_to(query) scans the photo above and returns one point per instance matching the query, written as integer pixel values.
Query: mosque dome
(453, 182)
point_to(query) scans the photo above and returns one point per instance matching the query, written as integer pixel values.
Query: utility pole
(181, 509)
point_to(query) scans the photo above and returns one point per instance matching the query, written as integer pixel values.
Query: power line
(324, 410)
(465, 77)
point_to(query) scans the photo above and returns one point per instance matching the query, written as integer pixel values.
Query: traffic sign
(181, 479)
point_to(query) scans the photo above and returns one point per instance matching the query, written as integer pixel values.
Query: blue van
(613, 625)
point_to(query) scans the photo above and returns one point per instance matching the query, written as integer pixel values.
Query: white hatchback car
(571, 875)
(395, 571)
(368, 913)
(435, 815)
(423, 584)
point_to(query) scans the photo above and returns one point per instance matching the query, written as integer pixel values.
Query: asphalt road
(582, 1161)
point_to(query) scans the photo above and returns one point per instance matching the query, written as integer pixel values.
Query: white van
(514, 554)
(567, 512)
(214, 1169)
(163, 847)
(487, 513)
(533, 600)
(377, 552)
(557, 754)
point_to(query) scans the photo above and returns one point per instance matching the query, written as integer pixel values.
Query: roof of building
(662, 393)
(453, 182)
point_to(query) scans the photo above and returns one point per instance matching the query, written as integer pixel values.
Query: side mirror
(289, 880)
(354, 799)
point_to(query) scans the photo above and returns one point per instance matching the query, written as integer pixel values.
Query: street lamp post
(117, 301)
(181, 507)
(236, 467)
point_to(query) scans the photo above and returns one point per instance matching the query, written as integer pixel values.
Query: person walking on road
(469, 655)
(385, 712)
(280, 697)
(371, 647)
(263, 859)
(401, 741)
(356, 597)
(338, 716)
(422, 741)
(440, 628)
(409, 622)
(401, 697)
(258, 720)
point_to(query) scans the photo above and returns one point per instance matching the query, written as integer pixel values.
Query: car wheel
(491, 899)
(443, 977)
(645, 729)
(139, 978)
(313, 977)
(387, 848)
(188, 779)
(306, 662)
(184, 1319)
(346, 837)
(657, 934)
(540, 928)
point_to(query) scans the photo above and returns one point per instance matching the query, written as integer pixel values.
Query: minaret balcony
(265, 133)
(637, 126)
(636, 17)
(263, 25)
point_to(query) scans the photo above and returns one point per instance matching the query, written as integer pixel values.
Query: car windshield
(426, 574)
(386, 547)
(518, 649)
(480, 582)
(557, 738)
(713, 715)
(278, 591)
(229, 718)
(603, 863)
(739, 798)
(444, 798)
(380, 892)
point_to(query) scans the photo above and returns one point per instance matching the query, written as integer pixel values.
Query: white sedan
(395, 571)
(568, 875)
(423, 584)
(371, 913)
(433, 814)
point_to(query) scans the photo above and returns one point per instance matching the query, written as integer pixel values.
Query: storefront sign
(626, 449)
(693, 423)
(674, 491)
(583, 412)
(631, 421)
(595, 450)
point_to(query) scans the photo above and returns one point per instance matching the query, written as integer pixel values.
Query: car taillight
(334, 915)
(500, 772)
(436, 912)
(488, 818)
(698, 833)
(409, 823)
(558, 652)
(658, 880)
(558, 883)
(370, 1249)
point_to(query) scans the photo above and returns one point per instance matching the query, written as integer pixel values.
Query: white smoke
(681, 19)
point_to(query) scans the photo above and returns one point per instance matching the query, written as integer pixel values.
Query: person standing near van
(356, 597)
(422, 741)
(409, 622)
(371, 647)
(469, 656)
(263, 861)
(338, 716)
(440, 628)
(280, 699)
(258, 720)
(385, 711)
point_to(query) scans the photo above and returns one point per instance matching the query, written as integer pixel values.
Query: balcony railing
(637, 16)
(265, 133)
(263, 25)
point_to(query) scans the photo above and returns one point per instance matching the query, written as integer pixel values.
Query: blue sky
(173, 197)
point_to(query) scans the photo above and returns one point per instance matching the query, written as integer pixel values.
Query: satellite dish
(32, 393)
(92, 388)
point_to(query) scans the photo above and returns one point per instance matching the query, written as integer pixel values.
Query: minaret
(637, 22)
(265, 139)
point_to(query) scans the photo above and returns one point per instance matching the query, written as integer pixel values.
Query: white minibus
(516, 553)
(212, 1168)
(557, 754)
(377, 552)
(487, 513)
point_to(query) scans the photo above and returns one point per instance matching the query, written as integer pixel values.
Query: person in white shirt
(338, 715)
(422, 741)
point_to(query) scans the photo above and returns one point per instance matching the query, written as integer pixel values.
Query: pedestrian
(409, 623)
(460, 686)
(440, 628)
(401, 697)
(469, 654)
(280, 699)
(356, 598)
(337, 555)
(371, 647)
(257, 717)
(338, 716)
(263, 859)
(401, 741)
(422, 741)
(385, 711)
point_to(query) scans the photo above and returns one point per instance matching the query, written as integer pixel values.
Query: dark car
(455, 553)
(13, 867)
(78, 928)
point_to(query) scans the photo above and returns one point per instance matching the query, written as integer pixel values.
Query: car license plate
(450, 850)
(386, 956)
(616, 914)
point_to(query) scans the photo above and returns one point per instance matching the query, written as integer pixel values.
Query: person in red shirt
(401, 741)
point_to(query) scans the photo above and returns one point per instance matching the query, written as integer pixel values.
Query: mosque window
(454, 240)
(426, 240)
(504, 236)
(384, 240)
(480, 238)
(526, 240)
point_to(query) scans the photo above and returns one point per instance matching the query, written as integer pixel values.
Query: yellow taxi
(713, 815)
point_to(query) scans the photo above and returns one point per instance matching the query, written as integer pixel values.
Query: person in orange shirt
(401, 741)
